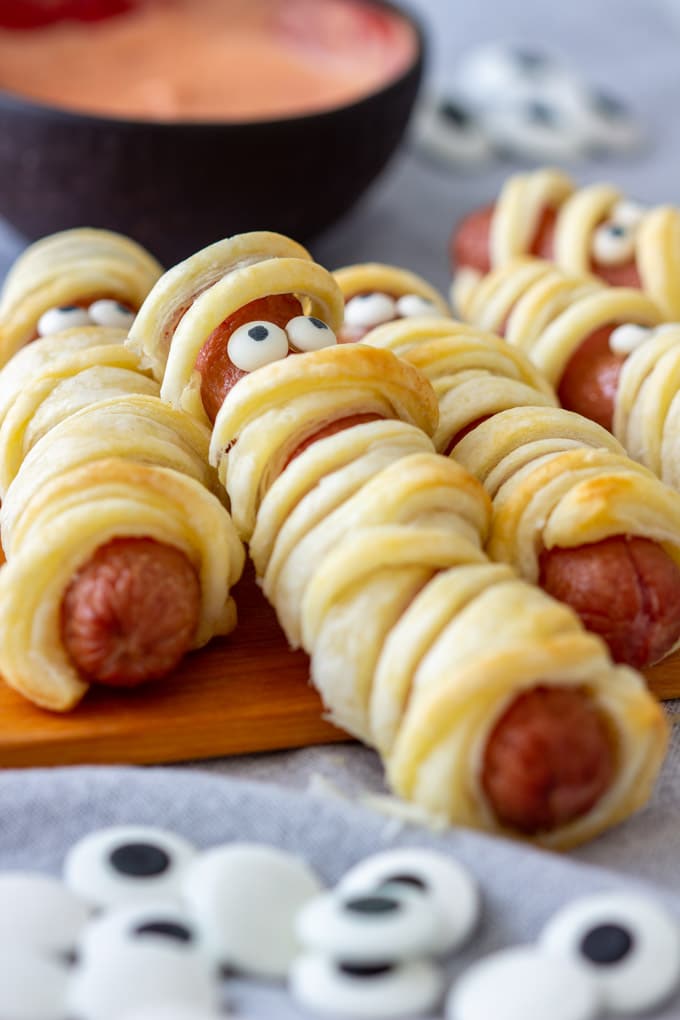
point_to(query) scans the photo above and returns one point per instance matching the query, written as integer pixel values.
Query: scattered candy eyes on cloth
(506, 99)
(146, 927)
(104, 312)
(245, 898)
(628, 945)
(127, 863)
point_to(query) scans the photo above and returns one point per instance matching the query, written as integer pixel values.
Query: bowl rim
(16, 102)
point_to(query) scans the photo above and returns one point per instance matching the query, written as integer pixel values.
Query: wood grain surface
(244, 693)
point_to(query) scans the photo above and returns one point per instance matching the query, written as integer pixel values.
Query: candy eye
(613, 244)
(256, 344)
(64, 317)
(624, 339)
(307, 333)
(130, 976)
(447, 888)
(367, 310)
(126, 863)
(523, 982)
(245, 899)
(389, 923)
(111, 313)
(627, 944)
(628, 213)
(32, 986)
(381, 990)
(411, 305)
(39, 913)
(449, 132)
(143, 924)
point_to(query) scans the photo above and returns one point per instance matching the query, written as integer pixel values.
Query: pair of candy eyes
(104, 312)
(256, 344)
(614, 241)
(629, 336)
(367, 310)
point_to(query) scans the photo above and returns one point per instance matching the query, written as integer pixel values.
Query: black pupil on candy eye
(139, 860)
(412, 880)
(529, 61)
(317, 322)
(69, 308)
(617, 231)
(541, 113)
(608, 105)
(169, 929)
(608, 943)
(454, 113)
(372, 905)
(258, 333)
(365, 970)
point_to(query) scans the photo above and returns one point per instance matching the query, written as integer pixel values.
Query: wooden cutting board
(244, 693)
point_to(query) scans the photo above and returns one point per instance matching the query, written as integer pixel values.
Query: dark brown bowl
(176, 187)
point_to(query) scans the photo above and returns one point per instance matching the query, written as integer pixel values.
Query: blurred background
(626, 48)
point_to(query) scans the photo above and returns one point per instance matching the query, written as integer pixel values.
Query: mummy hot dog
(369, 547)
(75, 278)
(571, 512)
(603, 348)
(590, 230)
(120, 557)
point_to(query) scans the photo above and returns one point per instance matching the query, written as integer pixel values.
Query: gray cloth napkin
(632, 48)
(43, 812)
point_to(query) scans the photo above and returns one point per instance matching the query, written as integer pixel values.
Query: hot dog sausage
(591, 379)
(470, 246)
(131, 612)
(471, 239)
(627, 590)
(218, 374)
(548, 760)
(330, 430)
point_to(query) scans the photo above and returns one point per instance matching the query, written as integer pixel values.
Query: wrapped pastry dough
(555, 318)
(71, 381)
(592, 229)
(369, 546)
(137, 427)
(100, 276)
(59, 532)
(557, 480)
(371, 553)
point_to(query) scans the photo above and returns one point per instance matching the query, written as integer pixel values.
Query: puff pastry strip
(58, 532)
(71, 382)
(373, 572)
(646, 401)
(557, 480)
(138, 427)
(643, 245)
(71, 267)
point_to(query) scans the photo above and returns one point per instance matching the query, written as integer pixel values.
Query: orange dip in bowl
(211, 60)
